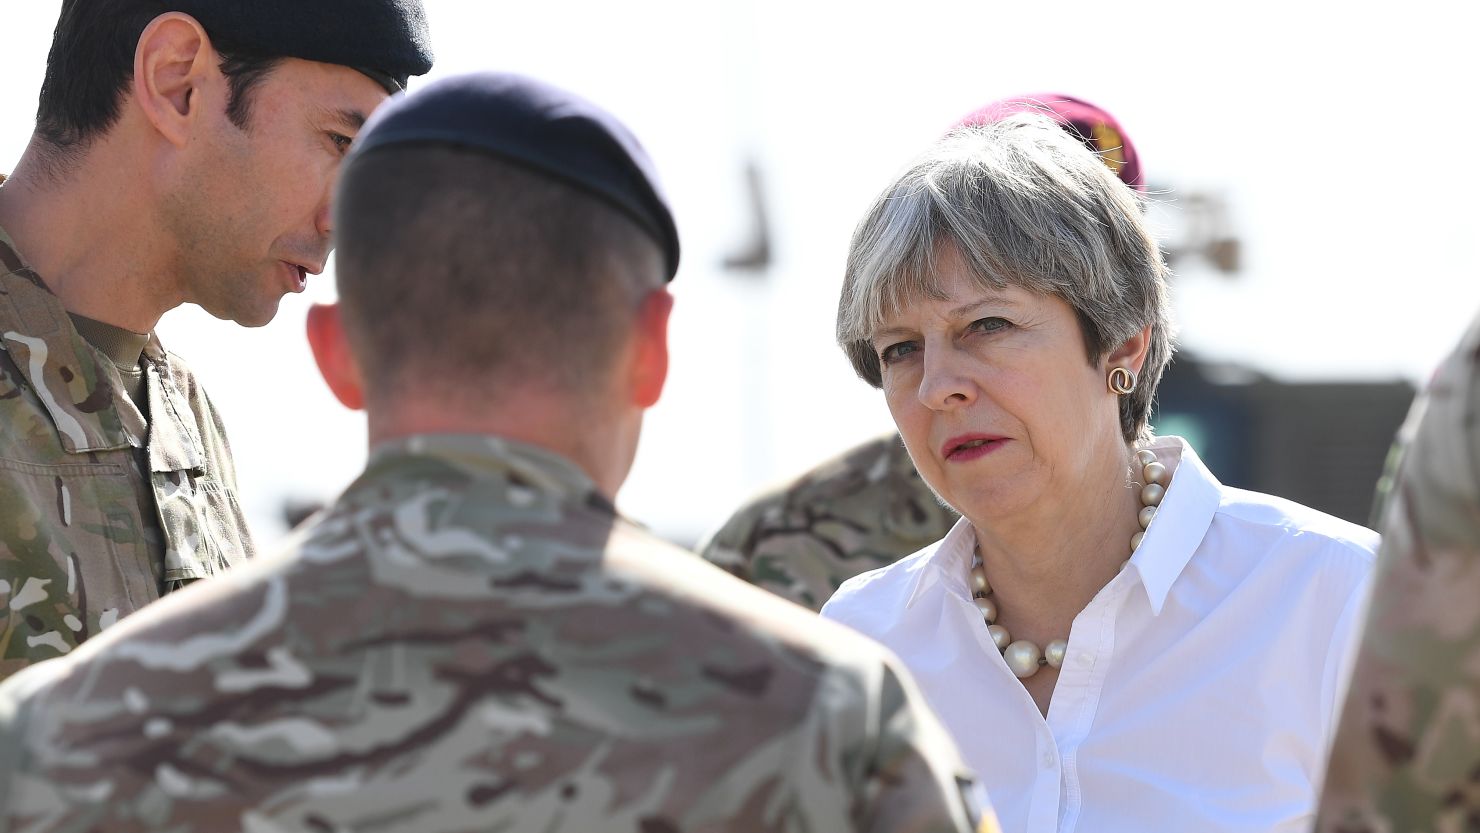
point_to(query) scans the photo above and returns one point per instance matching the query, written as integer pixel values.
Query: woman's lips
(970, 447)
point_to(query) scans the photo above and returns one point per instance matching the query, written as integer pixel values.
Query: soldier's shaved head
(464, 275)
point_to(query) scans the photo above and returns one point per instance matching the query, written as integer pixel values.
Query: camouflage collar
(78, 387)
(486, 457)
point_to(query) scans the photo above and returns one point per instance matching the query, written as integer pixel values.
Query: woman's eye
(895, 352)
(989, 325)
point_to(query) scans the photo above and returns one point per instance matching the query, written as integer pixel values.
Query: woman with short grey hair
(1116, 640)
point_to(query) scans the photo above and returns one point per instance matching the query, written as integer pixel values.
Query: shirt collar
(174, 439)
(124, 348)
(1182, 519)
(75, 384)
(951, 557)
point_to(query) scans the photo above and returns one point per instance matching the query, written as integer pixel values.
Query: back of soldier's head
(457, 268)
(481, 252)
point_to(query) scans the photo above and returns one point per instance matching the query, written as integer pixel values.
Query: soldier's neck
(601, 445)
(91, 232)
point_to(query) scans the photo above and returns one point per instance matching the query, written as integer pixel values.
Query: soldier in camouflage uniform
(116, 478)
(472, 638)
(1407, 754)
(90, 529)
(869, 507)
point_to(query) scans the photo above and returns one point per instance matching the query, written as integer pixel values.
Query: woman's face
(995, 397)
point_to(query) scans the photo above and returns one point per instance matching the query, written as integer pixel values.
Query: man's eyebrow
(352, 119)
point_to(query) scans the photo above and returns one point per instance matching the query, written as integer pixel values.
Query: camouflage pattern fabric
(470, 639)
(1407, 753)
(86, 535)
(857, 512)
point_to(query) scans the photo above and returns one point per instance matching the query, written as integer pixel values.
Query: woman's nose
(945, 384)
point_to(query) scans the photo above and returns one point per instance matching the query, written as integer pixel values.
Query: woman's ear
(331, 350)
(1131, 355)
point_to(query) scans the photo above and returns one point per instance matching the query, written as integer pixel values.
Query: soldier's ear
(331, 350)
(650, 348)
(174, 68)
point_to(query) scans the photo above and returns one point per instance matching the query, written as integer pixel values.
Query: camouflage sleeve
(1407, 751)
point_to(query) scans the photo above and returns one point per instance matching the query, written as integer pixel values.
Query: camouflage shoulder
(844, 474)
(867, 719)
(919, 780)
(25, 794)
(859, 511)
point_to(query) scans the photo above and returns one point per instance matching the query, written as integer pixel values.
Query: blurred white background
(1343, 142)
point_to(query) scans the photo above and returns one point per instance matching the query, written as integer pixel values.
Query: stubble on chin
(243, 299)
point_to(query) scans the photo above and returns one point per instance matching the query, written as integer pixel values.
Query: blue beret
(540, 127)
(385, 39)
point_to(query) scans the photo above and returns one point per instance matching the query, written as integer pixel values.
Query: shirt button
(1085, 659)
(1048, 760)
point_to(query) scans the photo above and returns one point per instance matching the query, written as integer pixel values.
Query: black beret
(385, 39)
(538, 126)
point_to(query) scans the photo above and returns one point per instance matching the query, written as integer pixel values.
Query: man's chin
(259, 315)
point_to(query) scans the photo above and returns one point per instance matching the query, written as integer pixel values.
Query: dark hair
(462, 273)
(92, 60)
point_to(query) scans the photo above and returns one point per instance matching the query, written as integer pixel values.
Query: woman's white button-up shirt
(1200, 688)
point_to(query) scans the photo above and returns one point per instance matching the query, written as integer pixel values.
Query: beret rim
(547, 130)
(392, 139)
(388, 37)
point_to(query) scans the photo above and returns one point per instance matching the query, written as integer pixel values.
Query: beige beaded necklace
(1025, 657)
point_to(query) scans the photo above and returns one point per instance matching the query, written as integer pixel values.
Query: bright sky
(1342, 141)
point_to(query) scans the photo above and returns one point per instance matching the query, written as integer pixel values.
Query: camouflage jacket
(75, 551)
(862, 510)
(1407, 754)
(471, 638)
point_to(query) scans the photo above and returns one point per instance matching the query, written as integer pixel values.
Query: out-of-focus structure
(1321, 443)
